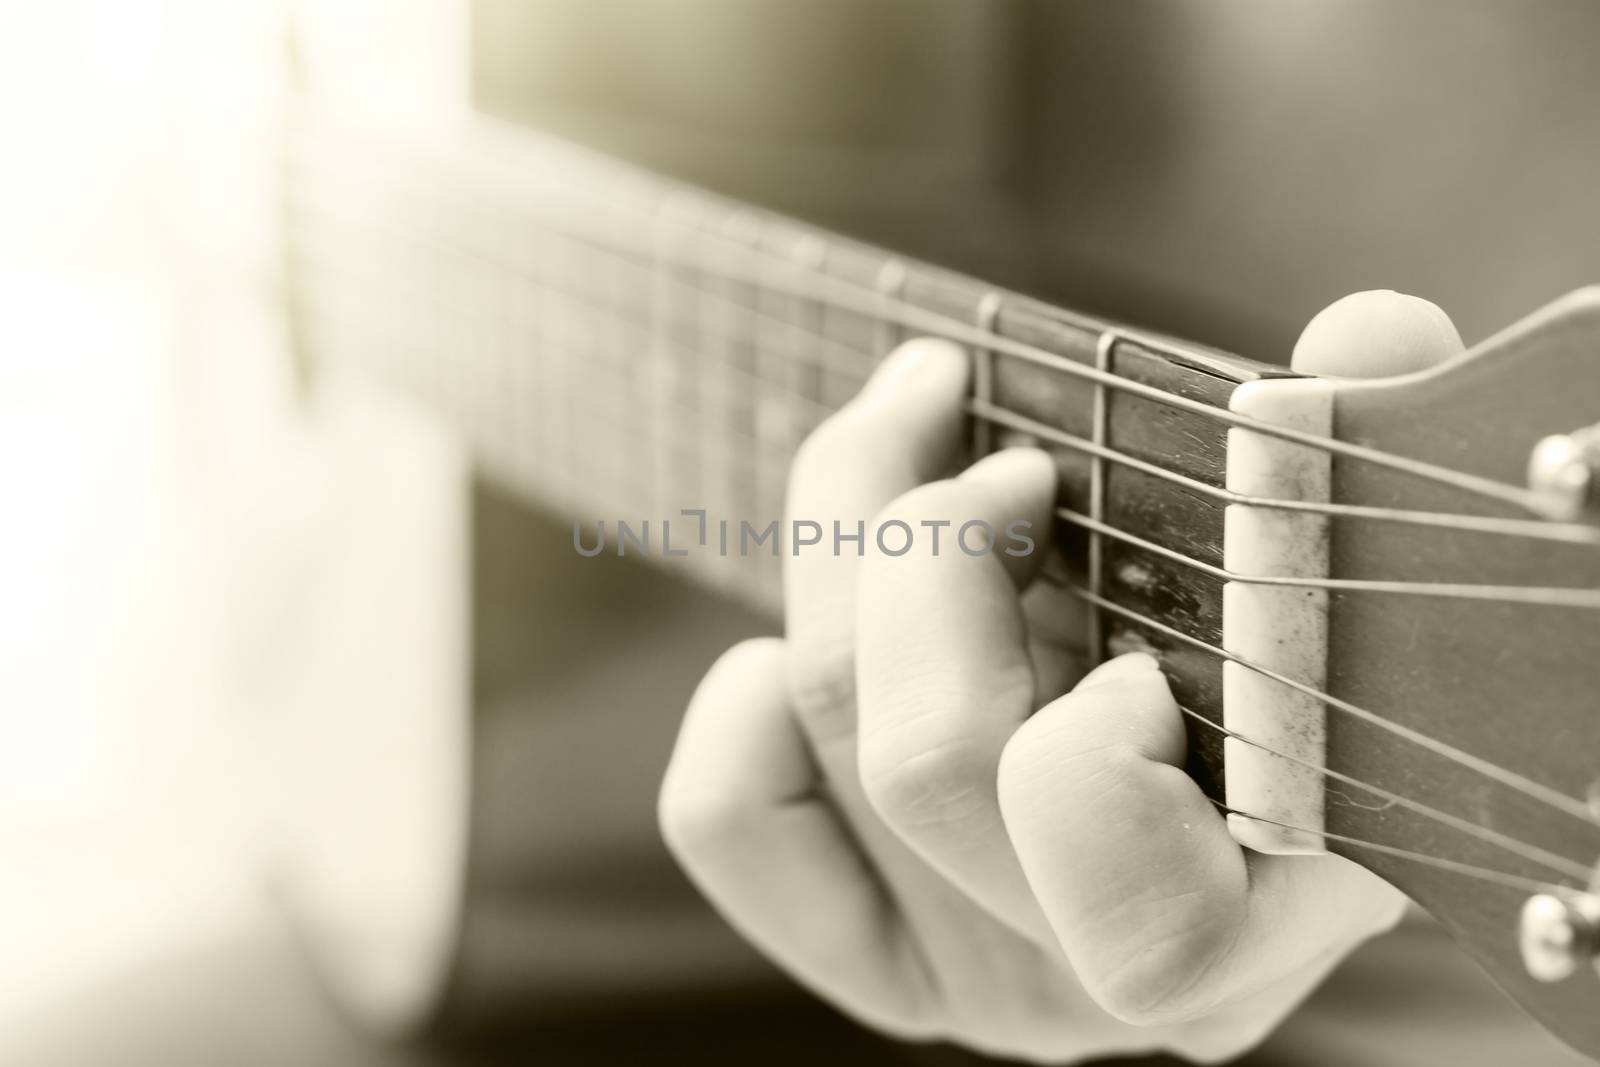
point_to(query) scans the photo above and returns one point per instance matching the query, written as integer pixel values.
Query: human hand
(875, 801)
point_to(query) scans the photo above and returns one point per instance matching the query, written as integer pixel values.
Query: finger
(902, 430)
(945, 674)
(1058, 628)
(1375, 334)
(742, 811)
(1162, 915)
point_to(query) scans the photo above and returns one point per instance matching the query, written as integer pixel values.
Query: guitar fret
(891, 284)
(1097, 495)
(983, 373)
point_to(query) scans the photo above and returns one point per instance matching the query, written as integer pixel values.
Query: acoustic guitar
(1375, 600)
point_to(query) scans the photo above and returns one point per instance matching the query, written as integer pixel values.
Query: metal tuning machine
(1559, 934)
(1564, 472)
(1560, 931)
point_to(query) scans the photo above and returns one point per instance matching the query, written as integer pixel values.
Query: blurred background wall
(1216, 168)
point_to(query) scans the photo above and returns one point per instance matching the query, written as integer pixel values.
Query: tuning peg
(1564, 471)
(1559, 933)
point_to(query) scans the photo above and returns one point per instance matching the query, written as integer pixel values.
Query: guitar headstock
(1507, 677)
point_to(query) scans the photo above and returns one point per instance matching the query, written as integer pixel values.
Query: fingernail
(1122, 669)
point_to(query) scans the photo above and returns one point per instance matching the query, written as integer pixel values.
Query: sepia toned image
(755, 532)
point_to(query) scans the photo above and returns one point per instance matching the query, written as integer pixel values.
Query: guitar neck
(617, 346)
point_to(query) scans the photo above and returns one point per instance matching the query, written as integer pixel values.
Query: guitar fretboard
(617, 346)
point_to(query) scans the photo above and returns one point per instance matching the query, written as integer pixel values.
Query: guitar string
(873, 302)
(818, 409)
(1533, 853)
(1574, 807)
(932, 322)
(751, 317)
(1531, 528)
(840, 353)
(1573, 533)
(726, 303)
(1471, 870)
(1516, 594)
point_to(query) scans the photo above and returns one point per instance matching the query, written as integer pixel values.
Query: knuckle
(1108, 769)
(821, 678)
(933, 786)
(1041, 752)
(936, 511)
(1138, 993)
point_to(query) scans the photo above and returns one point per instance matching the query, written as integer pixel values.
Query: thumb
(1376, 334)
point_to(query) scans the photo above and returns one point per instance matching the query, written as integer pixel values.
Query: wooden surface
(1516, 684)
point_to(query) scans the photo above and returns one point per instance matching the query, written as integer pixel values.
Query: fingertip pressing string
(1578, 809)
(1533, 853)
(1471, 870)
